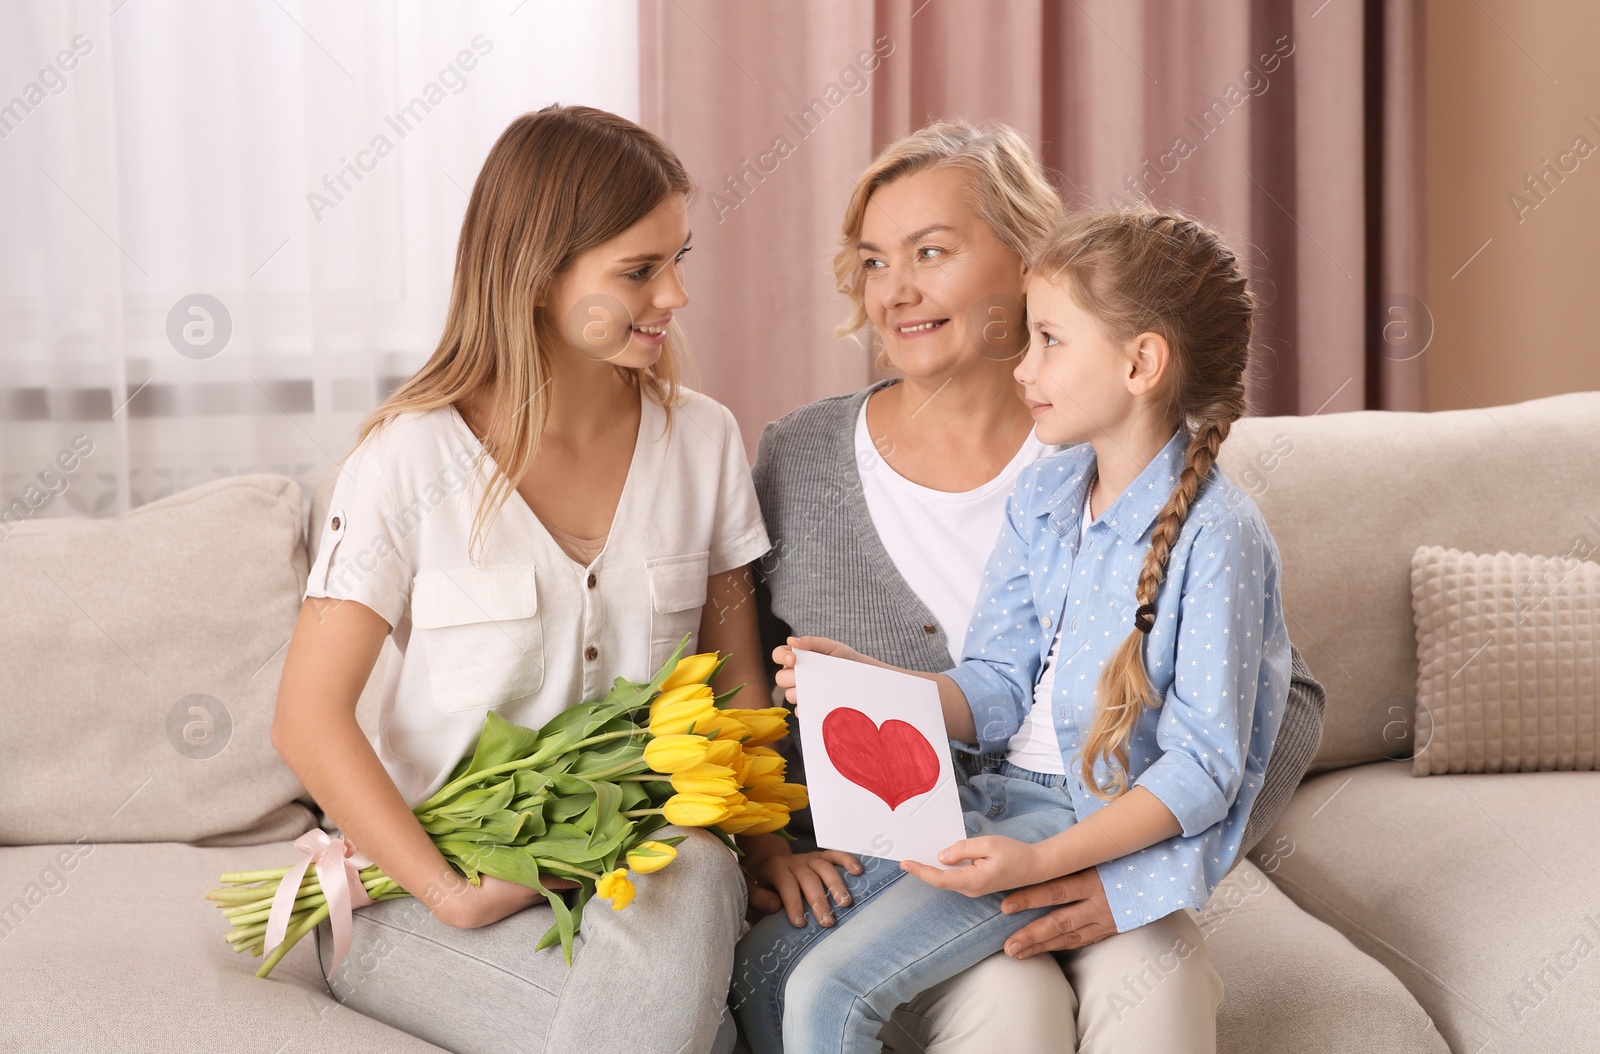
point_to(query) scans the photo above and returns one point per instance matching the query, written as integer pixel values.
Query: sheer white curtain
(289, 174)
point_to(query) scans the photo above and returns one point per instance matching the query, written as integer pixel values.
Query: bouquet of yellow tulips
(577, 799)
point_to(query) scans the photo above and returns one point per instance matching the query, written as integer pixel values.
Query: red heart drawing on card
(892, 760)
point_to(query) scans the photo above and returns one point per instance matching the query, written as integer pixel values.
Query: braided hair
(1143, 270)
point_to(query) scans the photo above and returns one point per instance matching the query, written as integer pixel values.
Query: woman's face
(943, 292)
(1074, 377)
(612, 303)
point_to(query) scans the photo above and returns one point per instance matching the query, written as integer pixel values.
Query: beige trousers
(1150, 989)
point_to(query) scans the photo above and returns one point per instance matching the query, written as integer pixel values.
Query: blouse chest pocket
(479, 629)
(677, 598)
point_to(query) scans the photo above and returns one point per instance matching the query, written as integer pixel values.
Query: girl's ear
(1149, 361)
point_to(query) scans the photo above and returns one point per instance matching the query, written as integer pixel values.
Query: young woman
(1131, 662)
(540, 509)
(883, 506)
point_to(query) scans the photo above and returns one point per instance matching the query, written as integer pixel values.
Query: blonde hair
(557, 183)
(1140, 270)
(1007, 184)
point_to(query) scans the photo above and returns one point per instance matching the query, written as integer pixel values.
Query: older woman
(883, 506)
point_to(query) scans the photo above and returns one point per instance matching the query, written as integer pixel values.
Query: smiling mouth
(921, 327)
(651, 331)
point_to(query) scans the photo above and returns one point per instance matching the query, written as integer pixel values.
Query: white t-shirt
(939, 541)
(1035, 746)
(526, 631)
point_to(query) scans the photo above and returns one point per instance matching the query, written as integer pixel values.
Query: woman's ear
(1150, 358)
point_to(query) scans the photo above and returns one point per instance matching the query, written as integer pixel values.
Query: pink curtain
(1294, 128)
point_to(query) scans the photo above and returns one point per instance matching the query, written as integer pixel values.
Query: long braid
(1140, 270)
(1124, 690)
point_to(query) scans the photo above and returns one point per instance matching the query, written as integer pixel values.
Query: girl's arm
(314, 729)
(958, 722)
(1135, 820)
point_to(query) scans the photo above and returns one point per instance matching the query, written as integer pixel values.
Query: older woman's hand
(1084, 919)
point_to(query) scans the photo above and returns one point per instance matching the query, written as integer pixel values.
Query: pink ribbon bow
(339, 872)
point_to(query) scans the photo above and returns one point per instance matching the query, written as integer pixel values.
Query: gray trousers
(650, 978)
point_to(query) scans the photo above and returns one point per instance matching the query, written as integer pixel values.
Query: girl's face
(1079, 383)
(612, 303)
(941, 289)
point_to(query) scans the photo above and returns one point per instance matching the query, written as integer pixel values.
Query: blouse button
(591, 653)
(928, 627)
(335, 523)
(591, 581)
(1045, 622)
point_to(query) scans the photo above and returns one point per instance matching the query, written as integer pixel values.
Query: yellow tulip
(682, 711)
(759, 770)
(777, 817)
(753, 814)
(674, 753)
(723, 751)
(683, 693)
(791, 795)
(722, 725)
(697, 810)
(767, 725)
(691, 669)
(615, 887)
(649, 857)
(716, 780)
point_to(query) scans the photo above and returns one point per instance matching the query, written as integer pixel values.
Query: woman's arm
(314, 729)
(729, 625)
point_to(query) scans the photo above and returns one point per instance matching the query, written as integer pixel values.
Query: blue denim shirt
(1218, 657)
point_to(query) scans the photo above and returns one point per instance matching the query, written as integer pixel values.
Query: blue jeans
(796, 992)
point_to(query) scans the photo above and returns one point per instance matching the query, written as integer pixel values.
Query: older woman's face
(941, 289)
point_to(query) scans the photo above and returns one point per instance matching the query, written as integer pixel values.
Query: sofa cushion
(142, 659)
(1477, 891)
(1295, 985)
(122, 953)
(1507, 671)
(1349, 497)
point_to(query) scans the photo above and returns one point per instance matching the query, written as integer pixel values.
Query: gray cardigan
(829, 575)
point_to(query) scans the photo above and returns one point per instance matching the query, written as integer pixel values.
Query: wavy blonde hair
(1140, 270)
(558, 182)
(1008, 188)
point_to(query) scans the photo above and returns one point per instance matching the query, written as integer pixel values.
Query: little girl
(1128, 655)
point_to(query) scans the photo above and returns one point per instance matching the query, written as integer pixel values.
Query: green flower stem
(556, 865)
(261, 907)
(290, 939)
(643, 812)
(238, 878)
(511, 766)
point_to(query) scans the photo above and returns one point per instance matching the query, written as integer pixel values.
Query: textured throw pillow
(142, 655)
(1508, 678)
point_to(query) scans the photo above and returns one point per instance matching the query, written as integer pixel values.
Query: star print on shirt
(1192, 751)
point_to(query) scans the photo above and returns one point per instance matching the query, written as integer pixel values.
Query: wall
(1510, 85)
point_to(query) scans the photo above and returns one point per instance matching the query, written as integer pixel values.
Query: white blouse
(938, 540)
(525, 631)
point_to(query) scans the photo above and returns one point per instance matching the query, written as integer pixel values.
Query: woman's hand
(783, 655)
(802, 879)
(468, 906)
(996, 863)
(782, 880)
(1085, 919)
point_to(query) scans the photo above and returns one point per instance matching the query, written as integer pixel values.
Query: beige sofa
(1384, 913)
